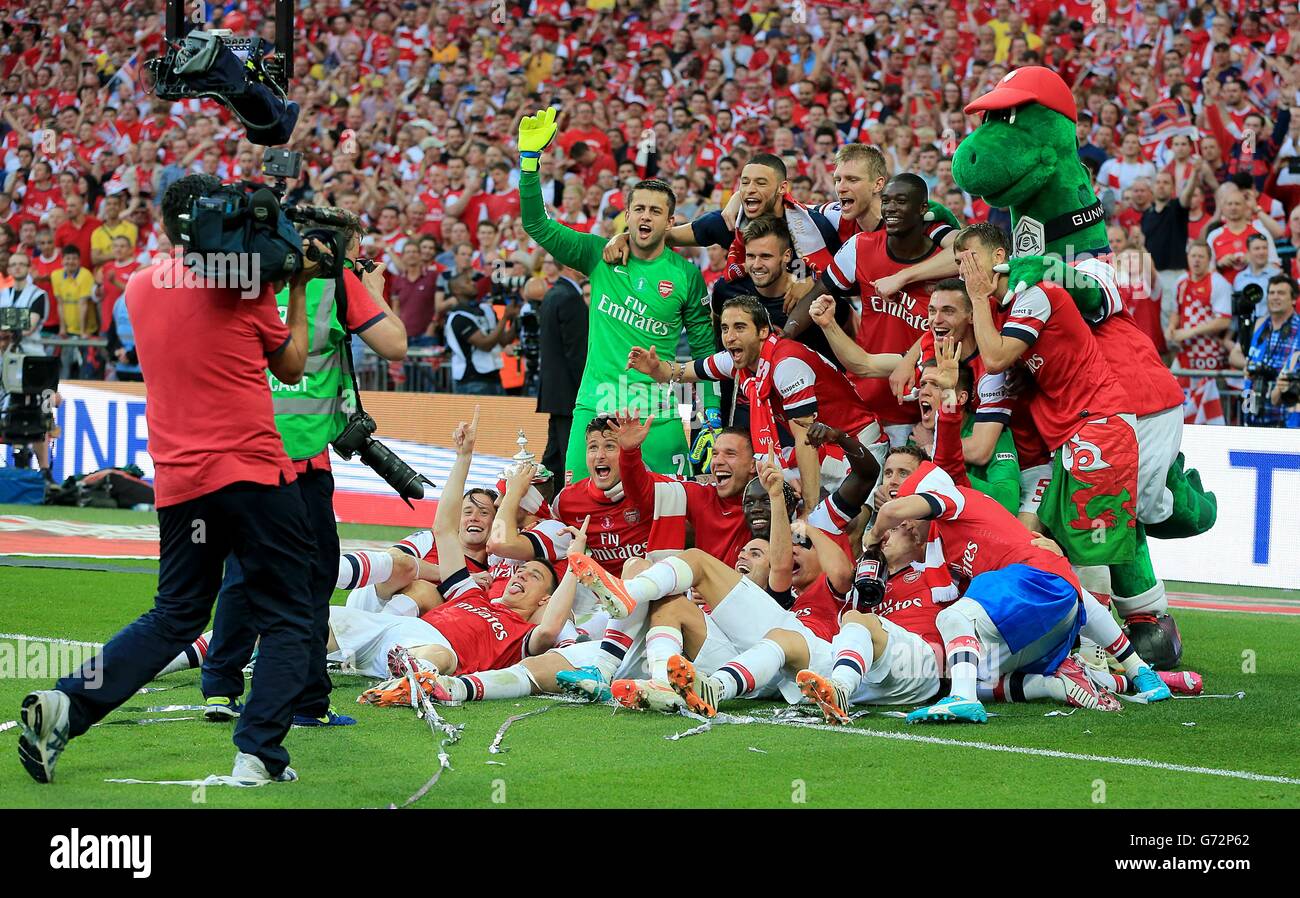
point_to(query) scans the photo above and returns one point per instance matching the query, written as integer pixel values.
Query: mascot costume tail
(1024, 157)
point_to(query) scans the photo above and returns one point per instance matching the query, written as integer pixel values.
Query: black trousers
(233, 633)
(557, 446)
(265, 527)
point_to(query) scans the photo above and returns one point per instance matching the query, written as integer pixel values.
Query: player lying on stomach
(918, 588)
(469, 631)
(1022, 606)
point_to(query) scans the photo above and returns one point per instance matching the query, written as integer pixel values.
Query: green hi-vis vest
(312, 412)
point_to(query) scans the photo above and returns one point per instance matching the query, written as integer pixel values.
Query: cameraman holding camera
(475, 336)
(224, 485)
(1273, 384)
(309, 415)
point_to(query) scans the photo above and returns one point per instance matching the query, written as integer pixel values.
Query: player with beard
(645, 299)
(763, 190)
(785, 383)
(888, 325)
(769, 255)
(1000, 478)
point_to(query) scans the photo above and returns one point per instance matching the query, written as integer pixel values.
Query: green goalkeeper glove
(535, 134)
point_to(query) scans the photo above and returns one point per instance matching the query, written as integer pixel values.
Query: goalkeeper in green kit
(644, 302)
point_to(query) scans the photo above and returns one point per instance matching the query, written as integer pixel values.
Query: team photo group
(867, 333)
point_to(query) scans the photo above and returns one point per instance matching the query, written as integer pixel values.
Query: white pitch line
(1043, 752)
(54, 639)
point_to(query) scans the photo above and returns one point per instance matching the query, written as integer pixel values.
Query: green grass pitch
(589, 756)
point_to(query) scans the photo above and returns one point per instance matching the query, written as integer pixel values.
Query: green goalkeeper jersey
(640, 303)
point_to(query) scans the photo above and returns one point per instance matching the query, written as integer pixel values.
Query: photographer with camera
(309, 416)
(475, 336)
(1258, 271)
(23, 418)
(224, 485)
(1273, 375)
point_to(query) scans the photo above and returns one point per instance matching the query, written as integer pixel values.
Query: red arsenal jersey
(888, 325)
(915, 595)
(618, 530)
(718, 523)
(1074, 381)
(819, 607)
(978, 534)
(485, 635)
(549, 543)
(804, 385)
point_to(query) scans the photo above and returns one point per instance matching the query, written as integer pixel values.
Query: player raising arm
(784, 382)
(645, 301)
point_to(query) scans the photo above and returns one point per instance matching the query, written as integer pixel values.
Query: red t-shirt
(485, 635)
(978, 534)
(68, 233)
(1200, 301)
(617, 531)
(819, 607)
(122, 271)
(1074, 381)
(363, 312)
(915, 595)
(804, 385)
(719, 524)
(888, 325)
(203, 352)
(41, 271)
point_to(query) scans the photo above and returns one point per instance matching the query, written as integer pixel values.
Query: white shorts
(364, 637)
(906, 673)
(365, 598)
(1033, 481)
(1159, 438)
(747, 614)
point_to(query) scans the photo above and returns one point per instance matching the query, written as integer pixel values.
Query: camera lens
(408, 482)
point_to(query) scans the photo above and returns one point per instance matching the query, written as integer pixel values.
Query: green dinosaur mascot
(1024, 157)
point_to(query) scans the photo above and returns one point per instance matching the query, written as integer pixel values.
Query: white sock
(486, 685)
(620, 636)
(750, 669)
(418, 544)
(594, 626)
(661, 643)
(663, 578)
(1102, 629)
(357, 569)
(401, 605)
(853, 653)
(1018, 687)
(191, 658)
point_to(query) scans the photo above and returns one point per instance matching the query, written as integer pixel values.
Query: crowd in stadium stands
(409, 112)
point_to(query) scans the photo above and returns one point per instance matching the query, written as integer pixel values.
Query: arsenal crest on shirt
(631, 515)
(665, 288)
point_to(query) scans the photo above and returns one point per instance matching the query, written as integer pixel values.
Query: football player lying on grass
(469, 631)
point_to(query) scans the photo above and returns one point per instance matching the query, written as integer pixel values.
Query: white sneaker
(44, 717)
(250, 769)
